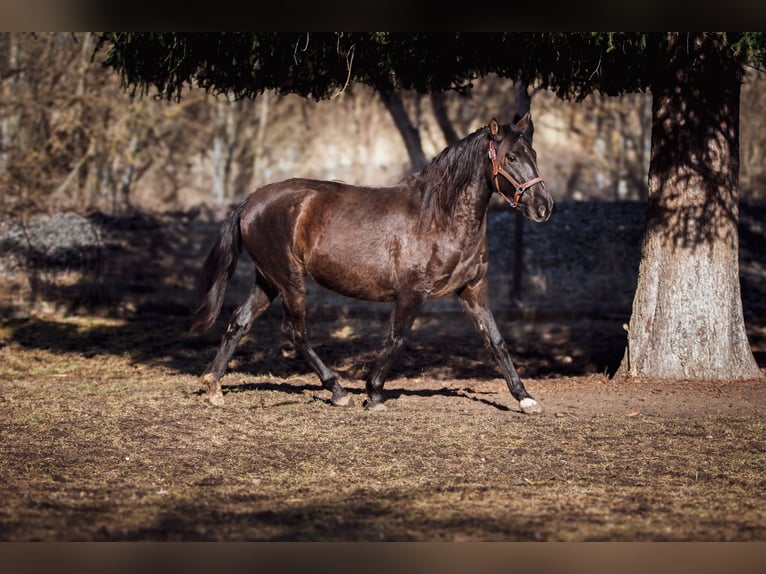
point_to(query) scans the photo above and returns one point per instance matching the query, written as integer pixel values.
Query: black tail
(218, 268)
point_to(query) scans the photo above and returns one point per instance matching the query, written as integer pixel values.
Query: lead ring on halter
(519, 188)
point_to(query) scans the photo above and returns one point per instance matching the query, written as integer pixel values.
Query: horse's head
(513, 169)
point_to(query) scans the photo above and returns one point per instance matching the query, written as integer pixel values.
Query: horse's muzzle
(537, 207)
(544, 211)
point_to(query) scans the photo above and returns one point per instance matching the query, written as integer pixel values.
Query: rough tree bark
(687, 321)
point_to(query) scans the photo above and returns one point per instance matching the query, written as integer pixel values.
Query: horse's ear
(494, 130)
(525, 124)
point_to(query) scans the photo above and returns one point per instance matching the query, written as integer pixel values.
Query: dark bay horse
(424, 237)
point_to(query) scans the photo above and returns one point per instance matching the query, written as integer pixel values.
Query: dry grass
(105, 436)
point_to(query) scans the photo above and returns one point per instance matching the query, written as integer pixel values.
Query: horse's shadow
(360, 395)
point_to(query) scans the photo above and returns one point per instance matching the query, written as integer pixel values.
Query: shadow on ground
(443, 346)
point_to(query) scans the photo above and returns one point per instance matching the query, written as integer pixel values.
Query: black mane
(442, 181)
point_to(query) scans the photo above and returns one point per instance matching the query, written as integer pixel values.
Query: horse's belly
(352, 278)
(357, 260)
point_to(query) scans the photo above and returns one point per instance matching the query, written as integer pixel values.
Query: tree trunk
(9, 120)
(224, 140)
(687, 321)
(439, 105)
(523, 105)
(408, 131)
(260, 137)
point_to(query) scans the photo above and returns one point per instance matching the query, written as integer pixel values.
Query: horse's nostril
(542, 211)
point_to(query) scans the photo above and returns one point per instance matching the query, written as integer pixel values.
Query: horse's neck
(465, 214)
(471, 210)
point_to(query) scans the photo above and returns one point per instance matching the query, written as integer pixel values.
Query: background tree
(67, 138)
(687, 317)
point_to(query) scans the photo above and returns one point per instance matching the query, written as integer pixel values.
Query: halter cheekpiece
(497, 170)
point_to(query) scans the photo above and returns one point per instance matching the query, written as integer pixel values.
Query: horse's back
(310, 205)
(347, 237)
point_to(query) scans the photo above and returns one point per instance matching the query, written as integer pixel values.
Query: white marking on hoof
(216, 400)
(375, 407)
(344, 401)
(213, 388)
(530, 406)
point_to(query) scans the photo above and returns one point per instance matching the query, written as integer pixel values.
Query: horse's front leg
(402, 316)
(475, 299)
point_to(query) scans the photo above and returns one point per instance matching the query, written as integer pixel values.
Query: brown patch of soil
(105, 436)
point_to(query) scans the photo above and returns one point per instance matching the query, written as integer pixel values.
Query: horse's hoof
(216, 400)
(345, 401)
(378, 406)
(530, 406)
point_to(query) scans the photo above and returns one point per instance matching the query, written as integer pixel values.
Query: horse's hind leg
(402, 318)
(475, 299)
(294, 328)
(258, 300)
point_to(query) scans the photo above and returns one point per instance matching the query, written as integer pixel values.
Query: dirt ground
(106, 436)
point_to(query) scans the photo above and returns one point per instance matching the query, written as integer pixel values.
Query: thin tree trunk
(223, 139)
(10, 116)
(408, 131)
(439, 105)
(687, 320)
(523, 105)
(260, 137)
(127, 174)
(523, 99)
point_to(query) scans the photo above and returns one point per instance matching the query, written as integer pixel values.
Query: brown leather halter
(497, 170)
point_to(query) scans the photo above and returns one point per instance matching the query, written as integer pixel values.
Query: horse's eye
(511, 157)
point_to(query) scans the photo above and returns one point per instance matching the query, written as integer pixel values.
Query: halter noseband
(497, 170)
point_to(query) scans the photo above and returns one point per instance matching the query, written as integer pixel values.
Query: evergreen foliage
(318, 65)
